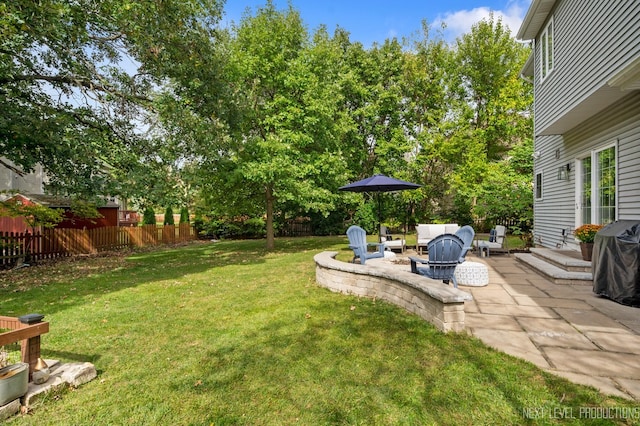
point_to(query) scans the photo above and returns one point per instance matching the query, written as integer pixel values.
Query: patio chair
(466, 234)
(497, 242)
(389, 242)
(358, 243)
(444, 256)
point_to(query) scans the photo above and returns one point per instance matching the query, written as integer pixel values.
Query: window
(598, 186)
(538, 187)
(546, 49)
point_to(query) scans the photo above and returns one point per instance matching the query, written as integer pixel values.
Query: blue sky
(370, 21)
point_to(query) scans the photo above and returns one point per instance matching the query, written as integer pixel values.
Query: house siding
(11, 181)
(557, 210)
(593, 39)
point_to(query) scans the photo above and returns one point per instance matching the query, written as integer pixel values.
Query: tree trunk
(270, 232)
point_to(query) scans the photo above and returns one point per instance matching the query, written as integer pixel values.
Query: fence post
(30, 347)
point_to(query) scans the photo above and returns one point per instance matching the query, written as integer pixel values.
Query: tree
(68, 100)
(280, 149)
(493, 99)
(184, 215)
(149, 216)
(168, 216)
(427, 110)
(491, 115)
(34, 214)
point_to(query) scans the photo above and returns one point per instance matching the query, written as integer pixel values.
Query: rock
(10, 409)
(78, 373)
(72, 374)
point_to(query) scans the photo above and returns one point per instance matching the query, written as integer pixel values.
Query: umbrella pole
(379, 219)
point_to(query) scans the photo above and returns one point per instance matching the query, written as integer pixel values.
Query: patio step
(553, 272)
(569, 260)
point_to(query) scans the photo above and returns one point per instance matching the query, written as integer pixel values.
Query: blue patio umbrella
(379, 183)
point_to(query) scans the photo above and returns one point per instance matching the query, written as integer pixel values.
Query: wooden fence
(53, 243)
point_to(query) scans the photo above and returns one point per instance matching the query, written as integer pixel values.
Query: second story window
(546, 41)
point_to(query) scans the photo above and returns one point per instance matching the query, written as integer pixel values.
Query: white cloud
(460, 22)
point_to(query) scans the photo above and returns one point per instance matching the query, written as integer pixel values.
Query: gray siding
(556, 210)
(30, 183)
(593, 39)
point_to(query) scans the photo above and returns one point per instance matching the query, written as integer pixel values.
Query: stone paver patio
(564, 329)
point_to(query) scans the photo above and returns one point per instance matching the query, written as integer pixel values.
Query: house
(26, 182)
(585, 68)
(107, 211)
(28, 188)
(12, 182)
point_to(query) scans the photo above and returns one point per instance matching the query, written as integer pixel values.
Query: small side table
(472, 274)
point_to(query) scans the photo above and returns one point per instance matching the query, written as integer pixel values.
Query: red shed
(108, 211)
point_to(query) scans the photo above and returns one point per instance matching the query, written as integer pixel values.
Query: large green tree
(488, 115)
(75, 81)
(280, 147)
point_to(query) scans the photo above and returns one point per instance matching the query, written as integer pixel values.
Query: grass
(226, 333)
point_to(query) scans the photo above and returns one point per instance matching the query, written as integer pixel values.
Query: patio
(562, 328)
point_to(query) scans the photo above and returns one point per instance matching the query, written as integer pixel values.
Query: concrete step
(569, 260)
(554, 273)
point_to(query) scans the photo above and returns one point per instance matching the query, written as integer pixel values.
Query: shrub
(255, 228)
(184, 215)
(168, 216)
(366, 217)
(149, 217)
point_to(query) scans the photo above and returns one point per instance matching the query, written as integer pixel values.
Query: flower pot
(14, 380)
(587, 250)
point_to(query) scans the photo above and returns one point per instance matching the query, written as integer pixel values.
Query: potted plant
(586, 234)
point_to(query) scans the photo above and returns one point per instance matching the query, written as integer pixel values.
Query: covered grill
(616, 262)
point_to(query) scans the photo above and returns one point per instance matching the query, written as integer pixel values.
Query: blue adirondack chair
(444, 256)
(466, 234)
(358, 243)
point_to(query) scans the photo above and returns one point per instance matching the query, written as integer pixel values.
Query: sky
(370, 21)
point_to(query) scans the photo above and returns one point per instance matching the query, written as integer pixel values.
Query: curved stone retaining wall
(441, 305)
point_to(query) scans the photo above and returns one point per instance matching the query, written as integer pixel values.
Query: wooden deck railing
(26, 330)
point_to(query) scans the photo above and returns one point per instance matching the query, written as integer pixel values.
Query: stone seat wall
(431, 300)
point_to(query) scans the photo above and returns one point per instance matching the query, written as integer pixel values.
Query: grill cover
(616, 262)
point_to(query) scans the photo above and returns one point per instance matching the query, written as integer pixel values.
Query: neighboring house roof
(55, 202)
(535, 18)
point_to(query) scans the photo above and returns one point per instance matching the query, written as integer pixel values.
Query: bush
(332, 224)
(184, 215)
(219, 228)
(254, 228)
(168, 216)
(149, 217)
(366, 217)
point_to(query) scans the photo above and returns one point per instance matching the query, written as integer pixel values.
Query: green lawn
(226, 333)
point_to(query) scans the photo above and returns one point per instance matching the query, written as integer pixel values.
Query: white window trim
(545, 71)
(535, 189)
(578, 187)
